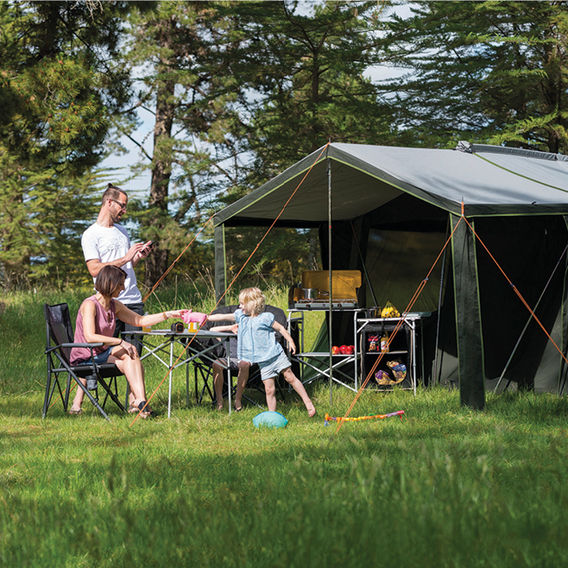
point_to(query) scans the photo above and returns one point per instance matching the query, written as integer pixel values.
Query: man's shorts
(273, 367)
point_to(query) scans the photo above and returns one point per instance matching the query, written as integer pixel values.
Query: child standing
(257, 344)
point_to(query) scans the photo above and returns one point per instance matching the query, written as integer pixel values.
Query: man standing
(106, 242)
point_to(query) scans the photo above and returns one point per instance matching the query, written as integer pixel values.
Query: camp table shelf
(404, 344)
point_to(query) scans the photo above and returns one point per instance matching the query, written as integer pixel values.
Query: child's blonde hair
(255, 297)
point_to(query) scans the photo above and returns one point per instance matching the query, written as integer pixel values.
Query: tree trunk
(157, 262)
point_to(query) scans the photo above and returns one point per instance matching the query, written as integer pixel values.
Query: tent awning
(489, 180)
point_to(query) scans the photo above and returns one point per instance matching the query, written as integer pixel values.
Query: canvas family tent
(391, 211)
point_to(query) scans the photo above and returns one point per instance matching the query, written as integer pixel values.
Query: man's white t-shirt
(107, 244)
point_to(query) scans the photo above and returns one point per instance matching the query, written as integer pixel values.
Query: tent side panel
(563, 372)
(468, 317)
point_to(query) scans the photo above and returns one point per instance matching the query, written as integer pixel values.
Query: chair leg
(107, 387)
(205, 375)
(195, 379)
(127, 396)
(91, 398)
(47, 397)
(50, 385)
(67, 392)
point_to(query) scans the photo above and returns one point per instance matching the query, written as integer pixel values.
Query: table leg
(229, 382)
(170, 378)
(187, 385)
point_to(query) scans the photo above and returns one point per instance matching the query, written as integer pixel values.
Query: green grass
(446, 486)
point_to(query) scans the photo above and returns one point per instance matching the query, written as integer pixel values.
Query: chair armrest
(85, 345)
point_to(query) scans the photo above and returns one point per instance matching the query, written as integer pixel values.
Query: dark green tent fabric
(515, 199)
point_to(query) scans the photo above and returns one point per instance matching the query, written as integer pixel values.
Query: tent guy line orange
(399, 325)
(178, 257)
(232, 281)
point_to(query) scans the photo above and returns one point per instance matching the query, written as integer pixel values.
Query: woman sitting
(96, 322)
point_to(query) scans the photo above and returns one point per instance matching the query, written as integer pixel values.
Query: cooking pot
(310, 293)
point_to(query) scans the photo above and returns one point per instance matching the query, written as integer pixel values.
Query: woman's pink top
(105, 322)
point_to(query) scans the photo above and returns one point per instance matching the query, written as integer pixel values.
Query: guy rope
(235, 277)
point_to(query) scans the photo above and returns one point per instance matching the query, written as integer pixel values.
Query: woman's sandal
(74, 412)
(137, 409)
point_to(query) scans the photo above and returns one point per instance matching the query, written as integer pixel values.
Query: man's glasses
(119, 203)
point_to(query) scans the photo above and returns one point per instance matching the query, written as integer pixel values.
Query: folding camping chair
(203, 368)
(59, 341)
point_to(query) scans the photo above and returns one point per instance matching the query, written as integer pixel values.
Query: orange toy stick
(341, 419)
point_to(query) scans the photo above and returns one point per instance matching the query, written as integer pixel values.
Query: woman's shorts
(273, 367)
(100, 359)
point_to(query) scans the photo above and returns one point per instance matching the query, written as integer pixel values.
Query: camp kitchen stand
(319, 361)
(403, 347)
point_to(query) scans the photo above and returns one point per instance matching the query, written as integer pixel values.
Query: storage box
(344, 283)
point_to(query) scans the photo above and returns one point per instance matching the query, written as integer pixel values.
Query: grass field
(445, 486)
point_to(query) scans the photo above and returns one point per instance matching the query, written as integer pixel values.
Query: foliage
(40, 218)
(224, 77)
(304, 73)
(493, 72)
(179, 49)
(240, 91)
(281, 257)
(56, 95)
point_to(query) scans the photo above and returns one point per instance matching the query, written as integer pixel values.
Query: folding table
(192, 350)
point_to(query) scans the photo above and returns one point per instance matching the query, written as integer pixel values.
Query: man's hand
(142, 251)
(147, 248)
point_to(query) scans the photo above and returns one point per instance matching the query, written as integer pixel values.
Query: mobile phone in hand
(147, 249)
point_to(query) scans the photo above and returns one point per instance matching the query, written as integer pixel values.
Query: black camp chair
(203, 367)
(59, 341)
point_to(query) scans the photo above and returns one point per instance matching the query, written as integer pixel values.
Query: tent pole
(562, 370)
(330, 339)
(220, 264)
(469, 332)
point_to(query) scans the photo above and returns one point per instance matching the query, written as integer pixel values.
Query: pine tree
(303, 83)
(57, 91)
(180, 47)
(493, 72)
(308, 71)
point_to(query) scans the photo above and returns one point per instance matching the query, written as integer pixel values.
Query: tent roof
(489, 180)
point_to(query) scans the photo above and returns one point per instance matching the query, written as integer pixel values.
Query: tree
(308, 75)
(303, 83)
(241, 89)
(492, 72)
(57, 90)
(179, 49)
